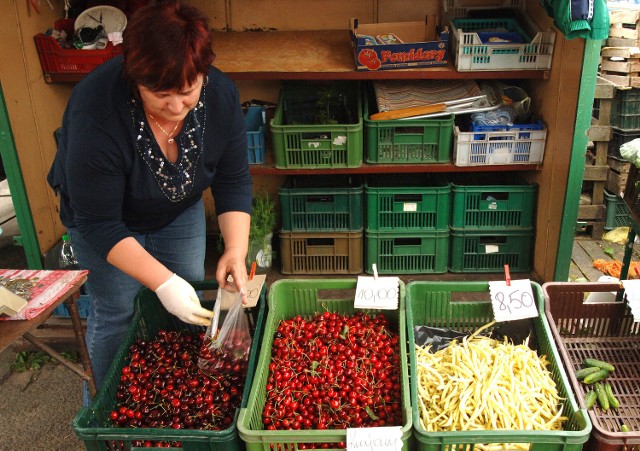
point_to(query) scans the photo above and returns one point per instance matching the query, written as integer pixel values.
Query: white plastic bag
(228, 349)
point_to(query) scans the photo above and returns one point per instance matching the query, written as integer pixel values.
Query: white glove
(181, 300)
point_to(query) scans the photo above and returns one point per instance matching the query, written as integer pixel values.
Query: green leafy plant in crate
(263, 223)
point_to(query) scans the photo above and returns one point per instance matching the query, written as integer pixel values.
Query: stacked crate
(617, 121)
(318, 126)
(620, 62)
(407, 224)
(321, 225)
(491, 224)
(601, 163)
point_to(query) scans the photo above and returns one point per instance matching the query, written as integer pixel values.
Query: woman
(142, 137)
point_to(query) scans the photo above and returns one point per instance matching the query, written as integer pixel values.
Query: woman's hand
(232, 263)
(181, 300)
(234, 226)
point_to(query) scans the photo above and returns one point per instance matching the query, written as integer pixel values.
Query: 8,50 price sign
(513, 301)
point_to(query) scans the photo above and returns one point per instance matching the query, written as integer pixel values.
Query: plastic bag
(618, 235)
(630, 151)
(440, 337)
(226, 351)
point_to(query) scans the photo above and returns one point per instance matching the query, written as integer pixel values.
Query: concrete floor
(37, 407)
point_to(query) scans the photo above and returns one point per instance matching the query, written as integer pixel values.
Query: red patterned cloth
(50, 285)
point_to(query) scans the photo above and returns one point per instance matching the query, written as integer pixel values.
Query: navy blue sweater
(111, 176)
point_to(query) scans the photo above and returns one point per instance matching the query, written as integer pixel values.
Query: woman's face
(171, 105)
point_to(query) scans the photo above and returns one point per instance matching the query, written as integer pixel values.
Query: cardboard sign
(377, 293)
(632, 294)
(253, 287)
(374, 439)
(513, 301)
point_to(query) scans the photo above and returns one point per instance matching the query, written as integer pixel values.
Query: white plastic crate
(479, 148)
(472, 54)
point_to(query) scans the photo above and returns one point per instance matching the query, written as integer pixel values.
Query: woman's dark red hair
(166, 45)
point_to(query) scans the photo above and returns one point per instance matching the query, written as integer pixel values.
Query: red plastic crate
(56, 60)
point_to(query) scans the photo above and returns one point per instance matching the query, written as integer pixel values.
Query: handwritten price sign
(378, 293)
(513, 301)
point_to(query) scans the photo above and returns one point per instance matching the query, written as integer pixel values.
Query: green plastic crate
(406, 203)
(625, 109)
(299, 142)
(618, 138)
(289, 298)
(407, 252)
(465, 307)
(92, 424)
(408, 140)
(321, 203)
(617, 212)
(489, 251)
(321, 253)
(479, 203)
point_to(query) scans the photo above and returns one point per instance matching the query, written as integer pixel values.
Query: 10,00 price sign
(513, 301)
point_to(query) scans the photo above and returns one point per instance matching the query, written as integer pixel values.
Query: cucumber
(590, 399)
(595, 377)
(603, 400)
(584, 372)
(613, 401)
(599, 364)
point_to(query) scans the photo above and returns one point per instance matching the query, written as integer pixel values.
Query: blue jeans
(180, 246)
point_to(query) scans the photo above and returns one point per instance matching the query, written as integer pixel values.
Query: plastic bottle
(67, 258)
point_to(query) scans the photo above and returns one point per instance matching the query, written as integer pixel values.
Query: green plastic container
(407, 252)
(300, 142)
(321, 203)
(289, 298)
(407, 203)
(617, 212)
(408, 140)
(618, 138)
(478, 202)
(488, 251)
(465, 307)
(625, 109)
(92, 424)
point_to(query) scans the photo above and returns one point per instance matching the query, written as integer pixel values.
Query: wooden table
(12, 330)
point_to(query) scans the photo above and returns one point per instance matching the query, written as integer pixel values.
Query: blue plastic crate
(83, 307)
(539, 125)
(255, 123)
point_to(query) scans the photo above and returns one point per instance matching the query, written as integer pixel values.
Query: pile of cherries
(163, 387)
(333, 371)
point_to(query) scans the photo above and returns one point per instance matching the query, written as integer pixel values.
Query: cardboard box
(422, 45)
(10, 303)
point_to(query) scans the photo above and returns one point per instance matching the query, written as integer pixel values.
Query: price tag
(410, 206)
(374, 439)
(513, 301)
(491, 249)
(632, 294)
(377, 293)
(253, 287)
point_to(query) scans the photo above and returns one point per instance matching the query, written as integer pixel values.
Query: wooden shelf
(317, 55)
(310, 55)
(266, 169)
